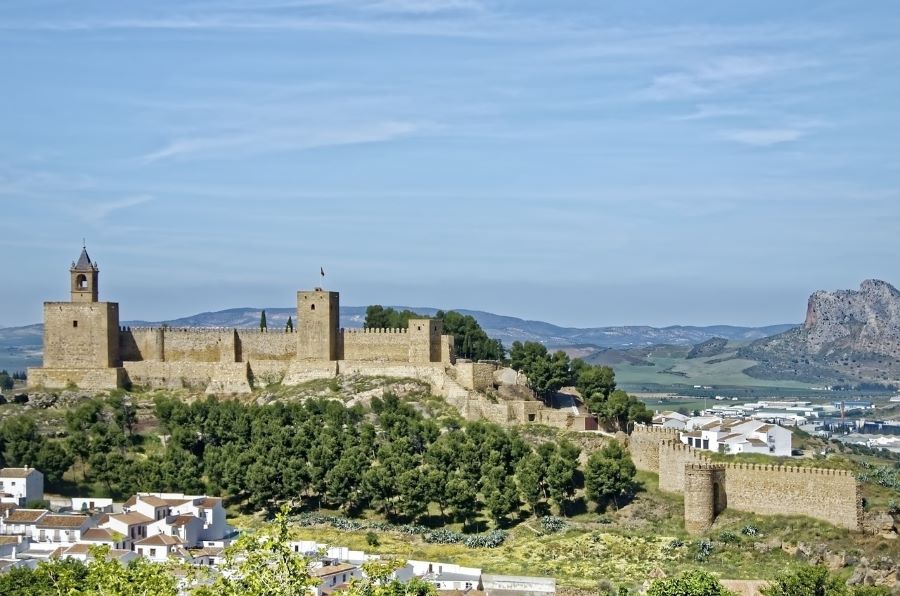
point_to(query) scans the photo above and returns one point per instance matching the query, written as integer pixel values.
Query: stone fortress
(85, 346)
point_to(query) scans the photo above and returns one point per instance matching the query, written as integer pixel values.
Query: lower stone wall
(92, 379)
(829, 495)
(170, 375)
(475, 375)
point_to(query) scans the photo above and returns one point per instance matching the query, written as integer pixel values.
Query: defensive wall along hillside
(708, 487)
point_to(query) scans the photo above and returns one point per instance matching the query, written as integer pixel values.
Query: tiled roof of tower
(84, 261)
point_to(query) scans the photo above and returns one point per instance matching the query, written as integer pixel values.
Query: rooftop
(17, 472)
(159, 540)
(62, 521)
(25, 516)
(331, 570)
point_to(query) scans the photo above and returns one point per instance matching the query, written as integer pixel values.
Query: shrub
(749, 530)
(551, 524)
(729, 537)
(704, 550)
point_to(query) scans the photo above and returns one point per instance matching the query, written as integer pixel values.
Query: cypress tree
(262, 321)
(289, 327)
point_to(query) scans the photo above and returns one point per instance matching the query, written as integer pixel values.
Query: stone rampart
(376, 345)
(254, 345)
(644, 445)
(673, 457)
(170, 375)
(829, 495)
(91, 379)
(199, 345)
(475, 375)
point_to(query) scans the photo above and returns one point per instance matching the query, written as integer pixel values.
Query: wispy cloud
(711, 112)
(721, 74)
(98, 212)
(277, 139)
(764, 137)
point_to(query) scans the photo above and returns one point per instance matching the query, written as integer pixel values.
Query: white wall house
(21, 522)
(173, 506)
(160, 547)
(738, 436)
(53, 531)
(447, 576)
(131, 525)
(333, 577)
(21, 486)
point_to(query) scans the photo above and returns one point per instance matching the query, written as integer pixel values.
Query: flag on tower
(322, 271)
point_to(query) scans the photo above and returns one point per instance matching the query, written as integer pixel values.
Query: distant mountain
(507, 329)
(848, 336)
(21, 346)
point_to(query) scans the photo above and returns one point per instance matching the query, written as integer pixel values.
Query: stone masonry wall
(673, 457)
(474, 375)
(376, 345)
(199, 345)
(270, 345)
(81, 335)
(644, 446)
(829, 495)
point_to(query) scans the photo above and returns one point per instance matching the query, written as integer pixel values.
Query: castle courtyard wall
(199, 345)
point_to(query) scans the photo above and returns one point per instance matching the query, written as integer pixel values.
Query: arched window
(81, 282)
(312, 307)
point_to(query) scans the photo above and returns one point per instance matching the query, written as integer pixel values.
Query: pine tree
(262, 321)
(289, 327)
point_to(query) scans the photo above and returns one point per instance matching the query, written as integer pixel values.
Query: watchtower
(318, 320)
(85, 276)
(704, 495)
(425, 340)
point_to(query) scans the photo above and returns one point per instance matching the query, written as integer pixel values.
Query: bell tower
(85, 277)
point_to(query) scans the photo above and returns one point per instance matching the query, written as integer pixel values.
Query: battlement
(376, 331)
(656, 430)
(705, 467)
(788, 469)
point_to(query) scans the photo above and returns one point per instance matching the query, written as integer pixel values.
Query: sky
(580, 162)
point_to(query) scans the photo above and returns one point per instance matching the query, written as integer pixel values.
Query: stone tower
(425, 340)
(318, 320)
(85, 277)
(81, 337)
(704, 495)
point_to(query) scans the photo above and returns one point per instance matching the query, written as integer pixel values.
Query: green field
(669, 369)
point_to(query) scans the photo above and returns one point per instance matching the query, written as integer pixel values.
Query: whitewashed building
(21, 486)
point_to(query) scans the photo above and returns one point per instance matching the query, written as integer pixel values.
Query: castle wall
(376, 345)
(81, 335)
(643, 444)
(475, 375)
(199, 345)
(256, 345)
(143, 343)
(91, 379)
(830, 495)
(673, 457)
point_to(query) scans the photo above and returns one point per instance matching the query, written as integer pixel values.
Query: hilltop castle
(84, 345)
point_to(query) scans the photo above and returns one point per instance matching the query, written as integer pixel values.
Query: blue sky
(586, 163)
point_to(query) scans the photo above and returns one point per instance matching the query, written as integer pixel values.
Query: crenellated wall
(376, 345)
(254, 345)
(829, 495)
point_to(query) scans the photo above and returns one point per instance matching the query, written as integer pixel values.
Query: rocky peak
(866, 320)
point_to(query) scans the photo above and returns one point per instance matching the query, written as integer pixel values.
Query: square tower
(318, 322)
(425, 340)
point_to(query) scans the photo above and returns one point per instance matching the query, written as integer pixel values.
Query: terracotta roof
(98, 535)
(711, 425)
(210, 502)
(176, 502)
(159, 540)
(57, 553)
(16, 472)
(152, 500)
(694, 433)
(331, 570)
(25, 516)
(118, 553)
(764, 428)
(4, 507)
(181, 520)
(9, 539)
(132, 518)
(756, 442)
(131, 502)
(62, 521)
(209, 551)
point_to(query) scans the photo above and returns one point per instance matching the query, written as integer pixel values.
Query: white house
(21, 486)
(171, 507)
(21, 522)
(670, 420)
(738, 436)
(160, 547)
(53, 531)
(334, 577)
(447, 576)
(503, 585)
(132, 525)
(188, 528)
(81, 552)
(101, 536)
